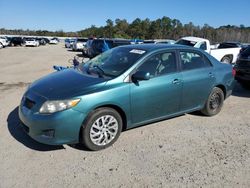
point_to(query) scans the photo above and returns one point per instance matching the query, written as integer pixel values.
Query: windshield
(30, 39)
(246, 52)
(186, 42)
(114, 62)
(82, 40)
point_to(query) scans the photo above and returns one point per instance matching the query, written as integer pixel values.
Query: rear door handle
(176, 81)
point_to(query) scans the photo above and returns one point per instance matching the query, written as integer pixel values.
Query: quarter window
(160, 64)
(193, 60)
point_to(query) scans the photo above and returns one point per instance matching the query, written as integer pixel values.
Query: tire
(226, 60)
(98, 127)
(214, 102)
(1, 46)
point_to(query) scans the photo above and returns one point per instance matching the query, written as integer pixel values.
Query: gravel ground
(187, 151)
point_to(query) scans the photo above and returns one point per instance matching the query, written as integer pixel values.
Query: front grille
(28, 103)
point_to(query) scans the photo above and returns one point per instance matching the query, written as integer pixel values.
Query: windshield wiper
(100, 69)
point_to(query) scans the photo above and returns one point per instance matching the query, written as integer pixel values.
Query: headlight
(58, 105)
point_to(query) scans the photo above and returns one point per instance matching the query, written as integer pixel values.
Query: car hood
(66, 84)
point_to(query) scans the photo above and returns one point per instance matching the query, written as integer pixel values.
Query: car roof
(155, 47)
(114, 40)
(195, 39)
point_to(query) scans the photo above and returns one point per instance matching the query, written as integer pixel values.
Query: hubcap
(104, 130)
(215, 101)
(227, 61)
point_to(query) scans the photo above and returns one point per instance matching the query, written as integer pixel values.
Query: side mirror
(141, 75)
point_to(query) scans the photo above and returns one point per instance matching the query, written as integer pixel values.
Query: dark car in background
(242, 68)
(244, 47)
(17, 41)
(99, 46)
(42, 41)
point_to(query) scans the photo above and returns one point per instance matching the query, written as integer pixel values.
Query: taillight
(233, 72)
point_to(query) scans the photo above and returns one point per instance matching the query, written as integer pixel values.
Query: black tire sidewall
(207, 110)
(89, 122)
(229, 60)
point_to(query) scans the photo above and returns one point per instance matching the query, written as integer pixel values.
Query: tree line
(162, 28)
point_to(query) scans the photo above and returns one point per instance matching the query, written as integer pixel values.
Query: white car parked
(3, 42)
(225, 55)
(79, 44)
(69, 43)
(31, 42)
(53, 41)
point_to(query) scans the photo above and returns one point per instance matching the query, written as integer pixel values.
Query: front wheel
(101, 129)
(214, 102)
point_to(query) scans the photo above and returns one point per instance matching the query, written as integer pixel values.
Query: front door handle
(176, 81)
(211, 75)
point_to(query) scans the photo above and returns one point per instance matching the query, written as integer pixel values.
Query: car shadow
(70, 50)
(80, 55)
(79, 146)
(18, 133)
(241, 91)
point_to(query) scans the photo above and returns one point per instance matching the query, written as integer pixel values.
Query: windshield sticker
(135, 51)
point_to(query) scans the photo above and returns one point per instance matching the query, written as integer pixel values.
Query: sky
(75, 15)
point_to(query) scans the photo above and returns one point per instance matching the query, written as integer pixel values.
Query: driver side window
(159, 64)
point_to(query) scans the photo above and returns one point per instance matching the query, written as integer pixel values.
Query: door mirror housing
(141, 75)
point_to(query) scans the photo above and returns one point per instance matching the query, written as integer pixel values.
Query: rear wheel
(226, 60)
(101, 129)
(214, 102)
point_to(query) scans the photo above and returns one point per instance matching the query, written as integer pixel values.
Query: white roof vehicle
(79, 44)
(3, 42)
(159, 41)
(69, 43)
(53, 41)
(225, 55)
(31, 42)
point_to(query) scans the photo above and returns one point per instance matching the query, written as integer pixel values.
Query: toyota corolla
(122, 88)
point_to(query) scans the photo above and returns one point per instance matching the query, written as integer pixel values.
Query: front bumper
(52, 129)
(64, 125)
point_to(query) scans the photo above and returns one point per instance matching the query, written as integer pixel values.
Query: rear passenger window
(193, 60)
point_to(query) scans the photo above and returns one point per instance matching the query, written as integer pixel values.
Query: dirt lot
(187, 151)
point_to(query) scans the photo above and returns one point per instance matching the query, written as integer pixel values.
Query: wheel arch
(230, 56)
(115, 107)
(223, 88)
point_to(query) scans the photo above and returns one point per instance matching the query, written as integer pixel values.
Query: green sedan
(122, 88)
